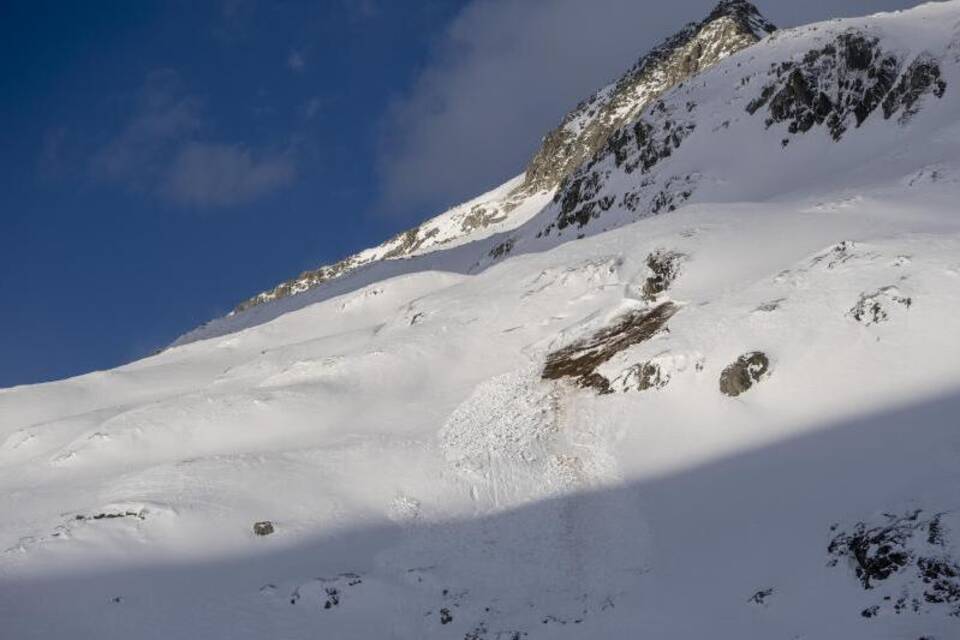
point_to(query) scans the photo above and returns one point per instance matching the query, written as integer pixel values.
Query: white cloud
(219, 175)
(161, 150)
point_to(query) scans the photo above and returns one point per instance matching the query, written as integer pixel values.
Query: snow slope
(534, 444)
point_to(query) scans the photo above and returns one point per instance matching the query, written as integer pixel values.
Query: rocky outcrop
(740, 376)
(841, 84)
(907, 558)
(263, 528)
(922, 77)
(580, 360)
(638, 148)
(733, 25)
(643, 376)
(876, 307)
(665, 267)
(489, 212)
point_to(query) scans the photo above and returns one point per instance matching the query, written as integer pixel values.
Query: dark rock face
(636, 148)
(580, 360)
(909, 554)
(842, 84)
(263, 528)
(731, 26)
(922, 77)
(877, 552)
(760, 597)
(740, 376)
(665, 266)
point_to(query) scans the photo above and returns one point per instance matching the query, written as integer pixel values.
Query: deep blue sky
(161, 162)
(101, 260)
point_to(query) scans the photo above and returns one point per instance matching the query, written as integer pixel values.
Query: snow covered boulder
(749, 369)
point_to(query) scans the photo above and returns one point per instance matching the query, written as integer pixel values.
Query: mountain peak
(730, 27)
(745, 13)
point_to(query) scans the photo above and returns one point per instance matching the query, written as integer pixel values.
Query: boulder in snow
(749, 369)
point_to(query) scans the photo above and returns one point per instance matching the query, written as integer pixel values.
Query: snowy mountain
(705, 386)
(733, 25)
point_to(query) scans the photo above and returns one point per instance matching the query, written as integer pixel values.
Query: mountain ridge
(730, 26)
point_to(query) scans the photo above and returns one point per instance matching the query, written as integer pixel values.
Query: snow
(425, 481)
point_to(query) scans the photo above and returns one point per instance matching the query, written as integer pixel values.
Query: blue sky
(161, 162)
(106, 251)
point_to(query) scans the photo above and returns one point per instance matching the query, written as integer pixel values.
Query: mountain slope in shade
(733, 25)
(730, 416)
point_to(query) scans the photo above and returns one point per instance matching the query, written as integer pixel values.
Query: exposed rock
(304, 282)
(676, 190)
(908, 551)
(481, 217)
(263, 528)
(137, 515)
(325, 592)
(922, 77)
(874, 308)
(643, 376)
(665, 266)
(740, 376)
(837, 255)
(580, 360)
(456, 222)
(760, 597)
(657, 372)
(770, 305)
(843, 83)
(502, 249)
(733, 25)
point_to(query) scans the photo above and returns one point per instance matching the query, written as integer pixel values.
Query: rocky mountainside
(731, 26)
(499, 210)
(707, 389)
(857, 84)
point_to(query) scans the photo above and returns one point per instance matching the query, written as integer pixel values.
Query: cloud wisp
(221, 175)
(296, 61)
(161, 150)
